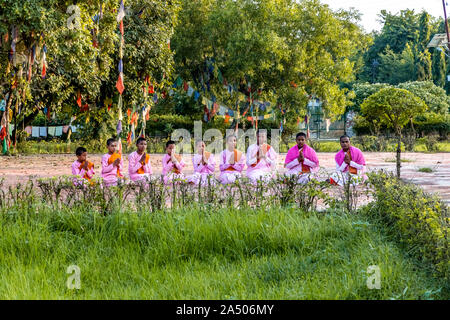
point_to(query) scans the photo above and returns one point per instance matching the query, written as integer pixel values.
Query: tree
(394, 108)
(396, 68)
(434, 97)
(399, 52)
(266, 49)
(439, 66)
(84, 60)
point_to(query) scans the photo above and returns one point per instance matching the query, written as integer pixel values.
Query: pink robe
(169, 167)
(201, 172)
(357, 162)
(228, 176)
(295, 168)
(109, 172)
(134, 165)
(79, 173)
(265, 168)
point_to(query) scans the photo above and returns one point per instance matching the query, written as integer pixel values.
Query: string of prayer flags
(35, 132)
(190, 91)
(43, 131)
(51, 131)
(120, 81)
(58, 131)
(79, 99)
(44, 61)
(119, 128)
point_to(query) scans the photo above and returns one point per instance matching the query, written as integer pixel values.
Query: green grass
(426, 170)
(192, 254)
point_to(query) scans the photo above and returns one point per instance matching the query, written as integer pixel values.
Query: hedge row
(420, 221)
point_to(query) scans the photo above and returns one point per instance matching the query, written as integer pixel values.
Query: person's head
(170, 147)
(231, 142)
(345, 142)
(81, 154)
(200, 146)
(300, 139)
(141, 144)
(261, 136)
(112, 145)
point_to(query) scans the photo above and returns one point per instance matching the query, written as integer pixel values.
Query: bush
(419, 220)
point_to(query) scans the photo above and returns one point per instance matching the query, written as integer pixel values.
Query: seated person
(301, 160)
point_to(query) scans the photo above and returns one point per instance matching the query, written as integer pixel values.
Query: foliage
(422, 225)
(393, 108)
(399, 52)
(290, 50)
(76, 65)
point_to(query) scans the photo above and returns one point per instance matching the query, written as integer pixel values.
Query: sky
(371, 8)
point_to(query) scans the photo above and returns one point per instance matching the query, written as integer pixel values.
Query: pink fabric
(76, 171)
(308, 152)
(134, 165)
(224, 165)
(357, 156)
(168, 166)
(109, 172)
(201, 172)
(263, 166)
(229, 177)
(200, 168)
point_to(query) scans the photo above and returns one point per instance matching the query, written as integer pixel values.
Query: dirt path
(20, 168)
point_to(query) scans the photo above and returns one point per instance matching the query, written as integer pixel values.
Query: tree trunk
(399, 150)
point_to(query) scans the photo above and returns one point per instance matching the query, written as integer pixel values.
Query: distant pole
(446, 23)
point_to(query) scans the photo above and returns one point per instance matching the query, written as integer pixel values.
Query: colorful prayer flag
(121, 12)
(119, 84)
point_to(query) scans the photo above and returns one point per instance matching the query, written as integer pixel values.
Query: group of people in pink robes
(261, 160)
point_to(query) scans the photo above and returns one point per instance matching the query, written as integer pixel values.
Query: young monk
(112, 164)
(232, 162)
(172, 164)
(204, 165)
(301, 160)
(82, 167)
(139, 166)
(349, 160)
(261, 159)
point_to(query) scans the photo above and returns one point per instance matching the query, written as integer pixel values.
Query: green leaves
(270, 44)
(393, 107)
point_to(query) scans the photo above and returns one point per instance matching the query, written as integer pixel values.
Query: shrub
(419, 220)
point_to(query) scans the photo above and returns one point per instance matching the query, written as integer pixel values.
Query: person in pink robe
(232, 162)
(204, 165)
(301, 160)
(112, 164)
(261, 159)
(82, 169)
(139, 167)
(350, 164)
(173, 164)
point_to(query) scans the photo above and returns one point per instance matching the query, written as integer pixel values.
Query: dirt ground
(20, 168)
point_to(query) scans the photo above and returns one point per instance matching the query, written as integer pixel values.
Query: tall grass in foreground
(199, 254)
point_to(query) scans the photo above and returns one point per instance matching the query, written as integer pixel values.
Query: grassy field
(195, 254)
